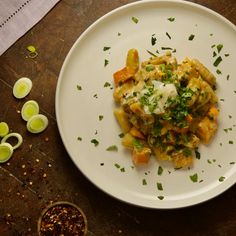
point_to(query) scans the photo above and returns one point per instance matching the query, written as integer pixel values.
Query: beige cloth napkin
(18, 16)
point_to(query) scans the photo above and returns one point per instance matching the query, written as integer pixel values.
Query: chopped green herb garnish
(218, 72)
(153, 40)
(209, 161)
(107, 84)
(214, 54)
(151, 53)
(106, 48)
(167, 34)
(95, 142)
(191, 37)
(222, 99)
(102, 164)
(121, 135)
(194, 177)
(197, 154)
(79, 87)
(149, 68)
(212, 46)
(159, 186)
(79, 138)
(135, 19)
(231, 142)
(160, 197)
(122, 169)
(137, 143)
(113, 148)
(227, 54)
(227, 77)
(219, 47)
(187, 152)
(171, 19)
(119, 34)
(230, 117)
(160, 170)
(106, 62)
(232, 163)
(222, 178)
(95, 96)
(217, 61)
(211, 34)
(144, 182)
(117, 166)
(166, 48)
(100, 117)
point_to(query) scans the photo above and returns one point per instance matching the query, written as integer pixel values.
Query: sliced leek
(13, 135)
(37, 123)
(6, 151)
(22, 87)
(4, 129)
(29, 109)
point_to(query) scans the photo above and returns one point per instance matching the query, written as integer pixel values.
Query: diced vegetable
(13, 135)
(122, 75)
(37, 123)
(141, 155)
(4, 129)
(22, 87)
(6, 151)
(29, 109)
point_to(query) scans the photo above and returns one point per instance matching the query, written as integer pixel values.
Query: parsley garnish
(107, 84)
(151, 53)
(153, 40)
(167, 34)
(160, 197)
(159, 186)
(121, 135)
(100, 117)
(122, 169)
(106, 48)
(95, 142)
(113, 148)
(79, 138)
(160, 170)
(117, 166)
(191, 37)
(79, 87)
(171, 19)
(197, 154)
(137, 144)
(231, 142)
(222, 178)
(217, 61)
(218, 72)
(135, 19)
(219, 47)
(144, 182)
(166, 48)
(106, 62)
(194, 178)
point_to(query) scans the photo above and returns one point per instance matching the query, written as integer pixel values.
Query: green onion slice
(15, 135)
(22, 87)
(6, 151)
(29, 109)
(4, 129)
(37, 123)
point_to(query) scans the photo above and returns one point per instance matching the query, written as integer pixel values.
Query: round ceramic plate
(84, 101)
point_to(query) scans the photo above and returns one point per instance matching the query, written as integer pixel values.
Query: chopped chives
(191, 37)
(135, 19)
(217, 61)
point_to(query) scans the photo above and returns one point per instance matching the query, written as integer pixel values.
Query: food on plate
(165, 108)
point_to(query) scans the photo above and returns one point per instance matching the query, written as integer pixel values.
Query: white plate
(78, 111)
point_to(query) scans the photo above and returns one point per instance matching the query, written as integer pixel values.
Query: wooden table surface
(41, 172)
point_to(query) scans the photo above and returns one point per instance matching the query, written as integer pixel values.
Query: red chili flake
(63, 219)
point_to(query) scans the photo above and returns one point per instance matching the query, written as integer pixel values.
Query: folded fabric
(18, 16)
